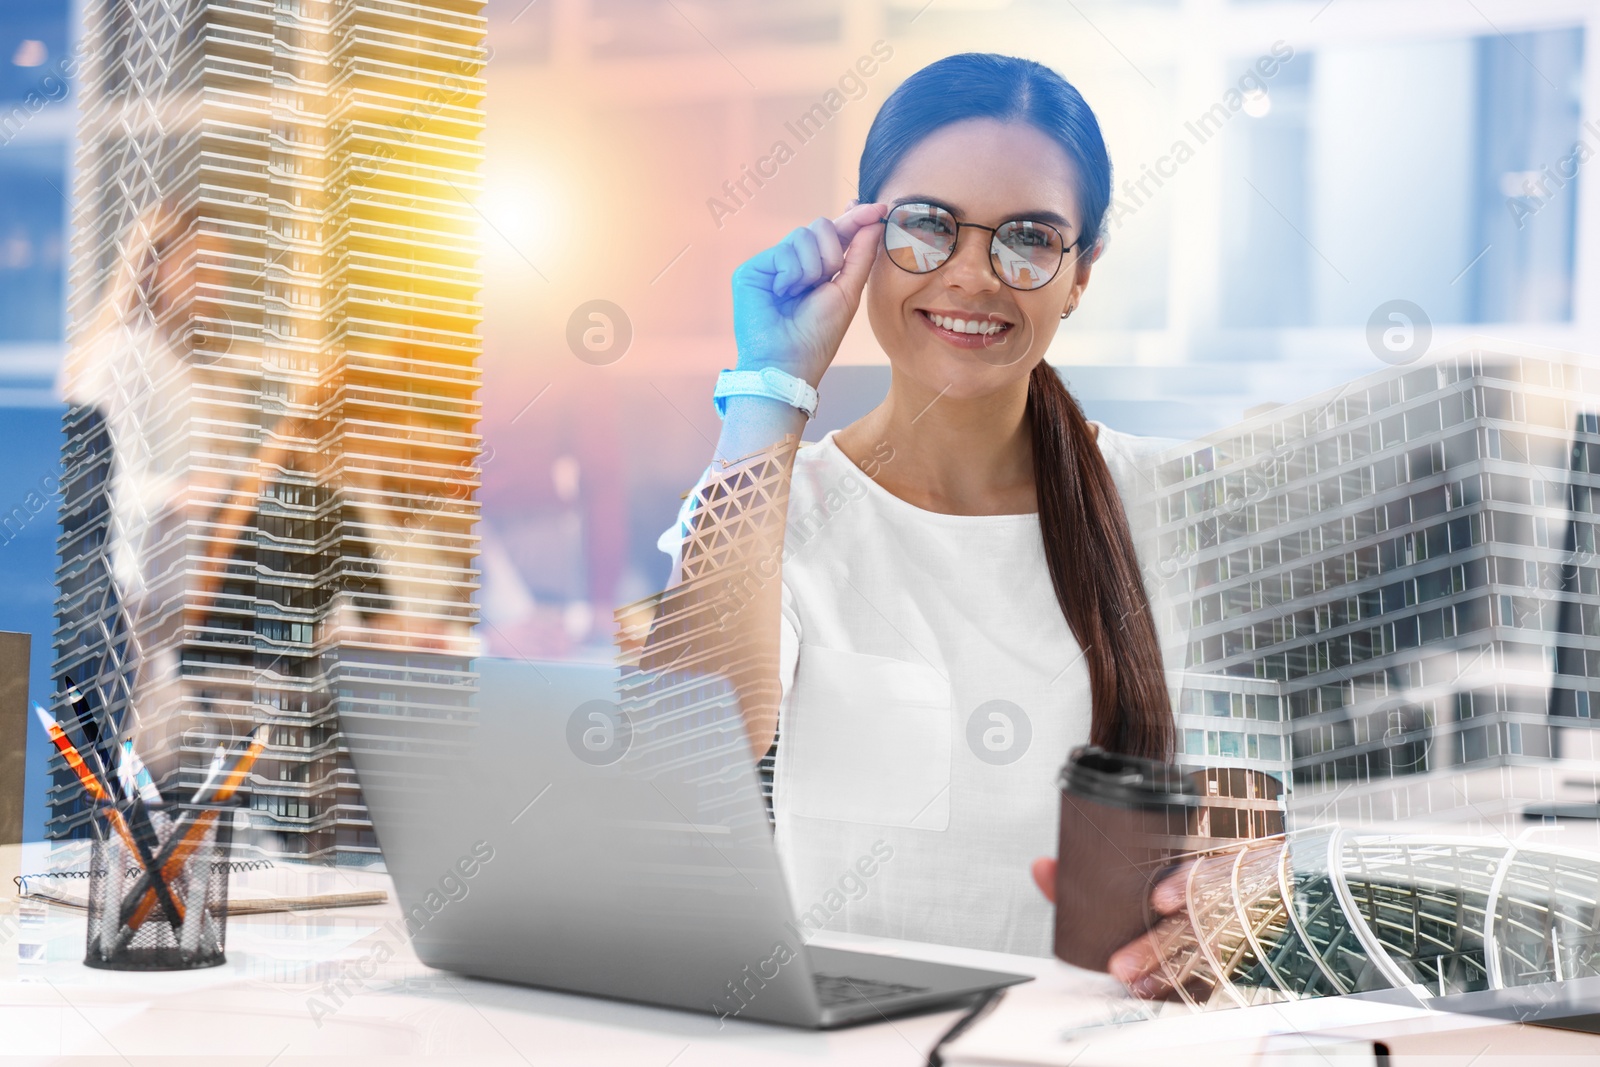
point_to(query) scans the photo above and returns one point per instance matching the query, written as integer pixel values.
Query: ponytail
(1095, 572)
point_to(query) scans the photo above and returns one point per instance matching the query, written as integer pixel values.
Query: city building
(1333, 911)
(271, 451)
(1392, 578)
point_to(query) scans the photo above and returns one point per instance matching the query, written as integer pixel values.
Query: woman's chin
(967, 374)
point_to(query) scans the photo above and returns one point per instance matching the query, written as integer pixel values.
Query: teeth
(967, 325)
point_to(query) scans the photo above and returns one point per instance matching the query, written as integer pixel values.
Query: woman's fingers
(811, 255)
(858, 256)
(860, 217)
(785, 269)
(804, 243)
(1137, 965)
(829, 246)
(1044, 876)
(1169, 895)
(1134, 960)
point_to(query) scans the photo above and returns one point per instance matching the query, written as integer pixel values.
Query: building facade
(271, 446)
(1391, 578)
(1331, 911)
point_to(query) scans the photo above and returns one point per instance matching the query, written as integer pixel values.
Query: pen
(85, 717)
(74, 761)
(139, 790)
(135, 777)
(97, 791)
(218, 757)
(188, 834)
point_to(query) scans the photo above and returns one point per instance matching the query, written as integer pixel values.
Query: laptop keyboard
(836, 989)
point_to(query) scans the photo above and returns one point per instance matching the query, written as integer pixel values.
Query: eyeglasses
(922, 237)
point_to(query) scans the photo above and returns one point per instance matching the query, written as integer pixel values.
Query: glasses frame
(994, 234)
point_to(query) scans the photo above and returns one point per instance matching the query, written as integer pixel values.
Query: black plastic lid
(1132, 781)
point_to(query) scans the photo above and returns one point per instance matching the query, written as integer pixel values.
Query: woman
(960, 599)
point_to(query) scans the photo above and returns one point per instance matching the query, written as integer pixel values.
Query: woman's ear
(1080, 282)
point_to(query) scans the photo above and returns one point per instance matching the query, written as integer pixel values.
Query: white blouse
(931, 691)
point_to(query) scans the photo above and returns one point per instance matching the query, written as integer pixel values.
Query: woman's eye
(926, 224)
(1029, 237)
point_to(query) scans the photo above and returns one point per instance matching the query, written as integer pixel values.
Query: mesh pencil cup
(158, 888)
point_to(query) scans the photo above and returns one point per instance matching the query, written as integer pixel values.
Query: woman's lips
(966, 340)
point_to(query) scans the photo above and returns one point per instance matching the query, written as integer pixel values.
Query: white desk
(276, 1002)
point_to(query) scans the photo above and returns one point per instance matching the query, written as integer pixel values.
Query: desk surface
(314, 987)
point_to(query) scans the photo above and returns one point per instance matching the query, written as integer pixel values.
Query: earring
(1070, 309)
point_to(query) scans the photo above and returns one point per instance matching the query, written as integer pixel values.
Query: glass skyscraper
(1394, 577)
(272, 374)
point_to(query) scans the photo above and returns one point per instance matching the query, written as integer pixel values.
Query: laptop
(553, 839)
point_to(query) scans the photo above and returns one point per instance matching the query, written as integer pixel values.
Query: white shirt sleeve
(672, 538)
(671, 542)
(788, 647)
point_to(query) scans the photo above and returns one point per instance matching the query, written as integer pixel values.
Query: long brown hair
(1087, 544)
(1096, 576)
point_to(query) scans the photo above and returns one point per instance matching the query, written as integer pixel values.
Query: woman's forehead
(982, 167)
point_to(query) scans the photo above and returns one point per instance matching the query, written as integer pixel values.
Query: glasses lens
(1026, 254)
(919, 237)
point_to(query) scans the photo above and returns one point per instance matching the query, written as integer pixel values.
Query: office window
(1265, 200)
(1453, 149)
(1525, 185)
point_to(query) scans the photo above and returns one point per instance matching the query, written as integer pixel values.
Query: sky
(33, 40)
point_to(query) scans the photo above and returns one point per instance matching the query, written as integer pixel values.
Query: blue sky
(32, 287)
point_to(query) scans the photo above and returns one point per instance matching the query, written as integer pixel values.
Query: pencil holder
(158, 887)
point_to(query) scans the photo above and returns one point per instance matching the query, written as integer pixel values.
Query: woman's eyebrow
(1054, 218)
(918, 198)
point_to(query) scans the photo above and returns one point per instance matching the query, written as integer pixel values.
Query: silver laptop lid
(557, 841)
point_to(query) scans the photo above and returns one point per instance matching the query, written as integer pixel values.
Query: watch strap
(768, 382)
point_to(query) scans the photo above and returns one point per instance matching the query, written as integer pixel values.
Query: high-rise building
(271, 447)
(1391, 578)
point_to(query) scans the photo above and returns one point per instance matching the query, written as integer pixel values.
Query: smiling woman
(985, 559)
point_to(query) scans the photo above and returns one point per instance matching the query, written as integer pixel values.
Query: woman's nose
(969, 266)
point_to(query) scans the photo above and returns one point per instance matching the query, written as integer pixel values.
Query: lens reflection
(921, 238)
(1025, 254)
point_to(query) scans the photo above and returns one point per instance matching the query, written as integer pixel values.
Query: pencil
(99, 792)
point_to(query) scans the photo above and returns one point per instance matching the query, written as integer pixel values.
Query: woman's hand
(793, 302)
(1138, 964)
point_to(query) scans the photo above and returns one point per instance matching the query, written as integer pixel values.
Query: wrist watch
(769, 382)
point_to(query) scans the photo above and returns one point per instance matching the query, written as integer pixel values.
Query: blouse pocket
(867, 740)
